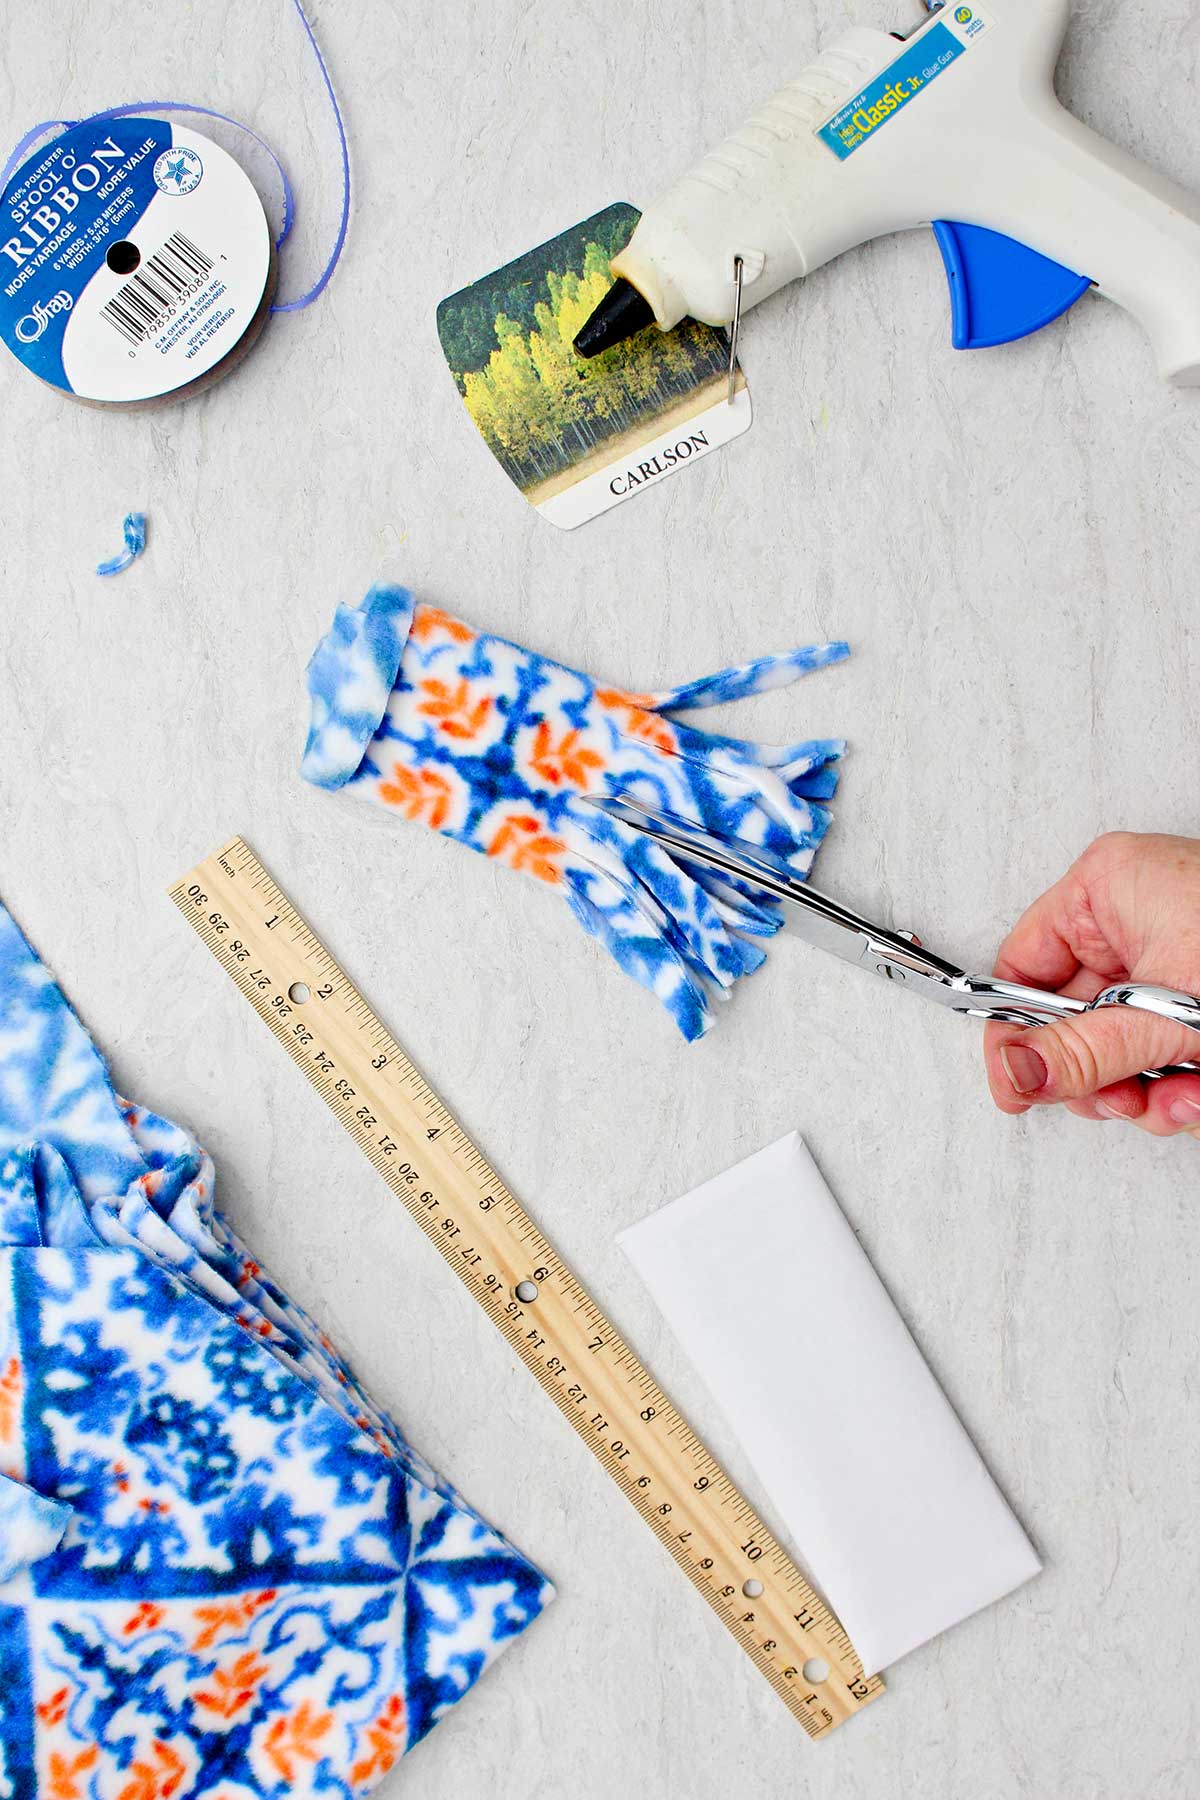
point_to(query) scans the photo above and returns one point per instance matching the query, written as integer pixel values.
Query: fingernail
(1108, 1112)
(1024, 1068)
(1184, 1112)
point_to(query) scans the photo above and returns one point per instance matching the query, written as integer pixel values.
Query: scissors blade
(817, 917)
(832, 927)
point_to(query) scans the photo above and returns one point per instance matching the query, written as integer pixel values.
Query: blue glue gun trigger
(1000, 290)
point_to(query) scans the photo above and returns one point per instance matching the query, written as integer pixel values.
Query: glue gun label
(929, 55)
(133, 256)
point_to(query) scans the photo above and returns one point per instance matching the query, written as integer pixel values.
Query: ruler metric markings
(546, 1315)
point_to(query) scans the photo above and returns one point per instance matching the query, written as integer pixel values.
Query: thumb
(1073, 1058)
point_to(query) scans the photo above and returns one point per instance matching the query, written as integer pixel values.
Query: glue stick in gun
(956, 125)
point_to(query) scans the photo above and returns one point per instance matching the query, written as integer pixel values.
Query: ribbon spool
(142, 266)
(136, 262)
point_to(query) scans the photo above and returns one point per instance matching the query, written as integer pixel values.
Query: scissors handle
(1012, 1004)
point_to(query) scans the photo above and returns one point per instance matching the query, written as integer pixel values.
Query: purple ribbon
(35, 132)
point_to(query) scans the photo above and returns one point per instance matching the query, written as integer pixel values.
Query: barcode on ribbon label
(169, 276)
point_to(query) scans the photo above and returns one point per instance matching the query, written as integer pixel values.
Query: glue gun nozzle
(621, 312)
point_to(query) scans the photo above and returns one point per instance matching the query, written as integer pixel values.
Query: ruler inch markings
(426, 1157)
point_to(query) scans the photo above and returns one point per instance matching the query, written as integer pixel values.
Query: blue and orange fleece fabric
(497, 747)
(223, 1570)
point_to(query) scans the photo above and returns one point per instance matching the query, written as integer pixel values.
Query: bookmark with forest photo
(577, 436)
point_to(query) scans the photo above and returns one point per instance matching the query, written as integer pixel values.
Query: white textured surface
(1010, 541)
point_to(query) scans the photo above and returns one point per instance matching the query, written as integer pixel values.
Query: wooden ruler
(516, 1275)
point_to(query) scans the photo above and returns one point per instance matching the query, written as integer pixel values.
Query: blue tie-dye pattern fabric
(30, 1527)
(496, 746)
(223, 1570)
(133, 530)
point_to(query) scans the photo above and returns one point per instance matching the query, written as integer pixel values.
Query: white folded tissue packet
(881, 1491)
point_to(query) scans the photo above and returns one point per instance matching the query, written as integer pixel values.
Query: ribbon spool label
(134, 255)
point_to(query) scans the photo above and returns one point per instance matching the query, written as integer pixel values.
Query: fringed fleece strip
(496, 746)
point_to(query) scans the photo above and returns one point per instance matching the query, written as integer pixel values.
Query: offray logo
(30, 328)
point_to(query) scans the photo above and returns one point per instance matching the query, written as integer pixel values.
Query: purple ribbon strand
(36, 132)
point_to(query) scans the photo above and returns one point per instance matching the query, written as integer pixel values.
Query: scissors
(898, 956)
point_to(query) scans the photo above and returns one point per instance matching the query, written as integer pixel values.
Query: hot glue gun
(955, 125)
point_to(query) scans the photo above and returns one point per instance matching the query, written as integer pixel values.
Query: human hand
(1128, 910)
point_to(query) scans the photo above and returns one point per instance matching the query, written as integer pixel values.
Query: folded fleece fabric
(223, 1571)
(497, 746)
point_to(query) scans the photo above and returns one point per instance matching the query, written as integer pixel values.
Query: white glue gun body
(957, 127)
